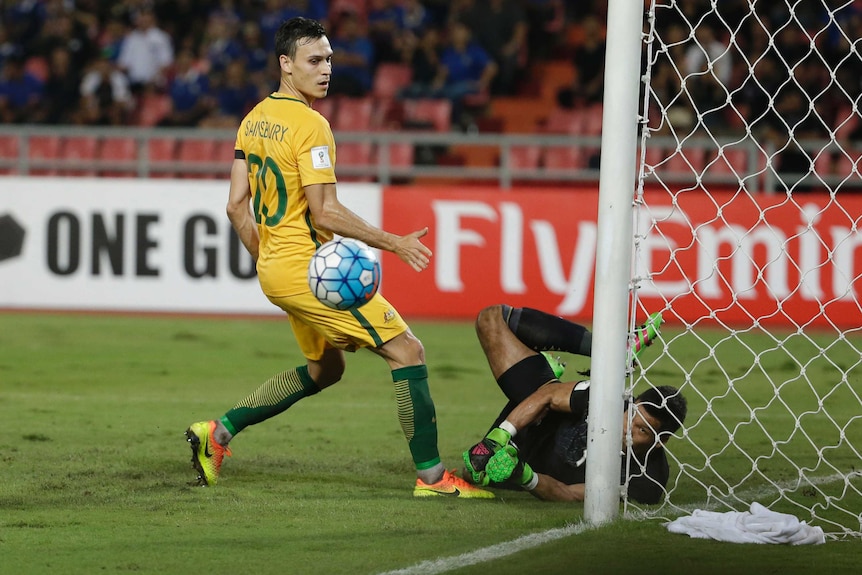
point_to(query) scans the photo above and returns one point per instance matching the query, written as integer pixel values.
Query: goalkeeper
(539, 440)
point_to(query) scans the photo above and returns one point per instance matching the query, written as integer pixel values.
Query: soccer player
(547, 419)
(283, 205)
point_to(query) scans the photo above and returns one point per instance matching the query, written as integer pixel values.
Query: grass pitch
(95, 467)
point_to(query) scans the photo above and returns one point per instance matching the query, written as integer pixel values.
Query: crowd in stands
(205, 63)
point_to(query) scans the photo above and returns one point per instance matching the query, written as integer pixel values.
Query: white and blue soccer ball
(344, 273)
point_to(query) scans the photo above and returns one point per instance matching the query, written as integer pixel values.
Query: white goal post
(743, 205)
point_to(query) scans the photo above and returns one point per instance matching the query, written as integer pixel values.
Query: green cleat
(645, 335)
(207, 453)
(556, 363)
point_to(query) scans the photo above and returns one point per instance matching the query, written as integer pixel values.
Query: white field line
(445, 564)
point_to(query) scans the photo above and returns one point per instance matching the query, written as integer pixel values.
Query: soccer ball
(344, 273)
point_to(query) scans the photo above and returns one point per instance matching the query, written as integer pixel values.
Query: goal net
(747, 239)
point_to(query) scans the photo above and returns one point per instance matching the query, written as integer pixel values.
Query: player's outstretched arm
(549, 489)
(239, 208)
(329, 213)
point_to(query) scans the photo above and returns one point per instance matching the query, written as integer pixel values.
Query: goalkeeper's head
(667, 406)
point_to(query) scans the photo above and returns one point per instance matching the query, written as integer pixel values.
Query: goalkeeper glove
(506, 467)
(477, 457)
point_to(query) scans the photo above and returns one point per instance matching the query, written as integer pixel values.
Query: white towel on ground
(759, 525)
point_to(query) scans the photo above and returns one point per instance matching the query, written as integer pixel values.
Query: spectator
(110, 40)
(106, 94)
(274, 13)
(500, 27)
(791, 114)
(62, 29)
(352, 58)
(20, 92)
(147, 53)
(423, 56)
(234, 97)
(708, 53)
(417, 18)
(546, 23)
(386, 29)
(8, 48)
(189, 92)
(255, 54)
(62, 89)
(24, 22)
(465, 69)
(589, 62)
(220, 44)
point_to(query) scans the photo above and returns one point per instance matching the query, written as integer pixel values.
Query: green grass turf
(95, 470)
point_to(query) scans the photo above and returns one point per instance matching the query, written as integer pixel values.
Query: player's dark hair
(666, 404)
(294, 32)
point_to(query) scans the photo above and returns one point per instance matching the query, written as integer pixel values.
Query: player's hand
(502, 465)
(412, 251)
(475, 460)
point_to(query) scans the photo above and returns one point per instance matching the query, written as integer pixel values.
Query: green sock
(273, 397)
(416, 414)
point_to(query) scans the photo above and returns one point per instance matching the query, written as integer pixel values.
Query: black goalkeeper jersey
(556, 446)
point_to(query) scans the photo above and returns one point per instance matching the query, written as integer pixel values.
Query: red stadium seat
(437, 114)
(119, 150)
(593, 120)
(162, 151)
(9, 151)
(46, 149)
(401, 154)
(354, 114)
(564, 121)
(564, 158)
(525, 157)
(353, 155)
(82, 152)
(327, 108)
(199, 155)
(390, 78)
(153, 108)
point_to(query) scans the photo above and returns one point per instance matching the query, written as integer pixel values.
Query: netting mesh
(747, 239)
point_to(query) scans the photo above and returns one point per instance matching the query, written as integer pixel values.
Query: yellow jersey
(287, 145)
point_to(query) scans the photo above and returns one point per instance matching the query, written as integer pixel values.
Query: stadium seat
(327, 108)
(593, 120)
(390, 78)
(436, 114)
(9, 151)
(198, 157)
(564, 121)
(162, 151)
(119, 150)
(44, 149)
(354, 115)
(352, 155)
(845, 122)
(552, 75)
(82, 153)
(564, 158)
(687, 161)
(728, 161)
(401, 154)
(153, 108)
(519, 115)
(525, 157)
